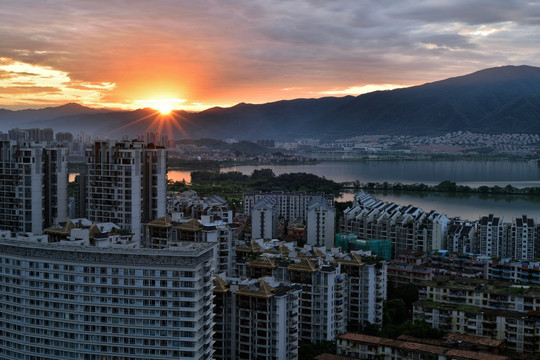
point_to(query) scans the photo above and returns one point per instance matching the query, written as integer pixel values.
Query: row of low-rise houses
(418, 267)
(411, 229)
(494, 309)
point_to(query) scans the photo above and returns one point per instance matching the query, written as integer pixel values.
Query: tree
(308, 351)
(262, 174)
(446, 186)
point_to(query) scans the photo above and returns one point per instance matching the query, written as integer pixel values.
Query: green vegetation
(234, 184)
(445, 186)
(397, 316)
(308, 351)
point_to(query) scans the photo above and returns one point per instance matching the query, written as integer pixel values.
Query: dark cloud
(215, 47)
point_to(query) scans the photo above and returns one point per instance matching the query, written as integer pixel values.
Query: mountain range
(496, 100)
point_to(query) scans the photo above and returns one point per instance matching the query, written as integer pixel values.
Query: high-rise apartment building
(321, 219)
(33, 186)
(322, 302)
(256, 320)
(62, 301)
(127, 183)
(365, 290)
(490, 236)
(524, 238)
(291, 205)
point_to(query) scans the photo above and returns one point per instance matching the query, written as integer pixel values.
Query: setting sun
(164, 106)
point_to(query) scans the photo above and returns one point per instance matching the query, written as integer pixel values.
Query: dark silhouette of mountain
(20, 118)
(496, 100)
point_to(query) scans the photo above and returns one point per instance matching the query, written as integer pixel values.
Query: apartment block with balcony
(33, 186)
(86, 302)
(365, 284)
(321, 220)
(256, 319)
(322, 300)
(496, 309)
(409, 228)
(291, 205)
(264, 218)
(126, 183)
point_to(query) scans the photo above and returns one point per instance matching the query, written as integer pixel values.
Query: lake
(472, 173)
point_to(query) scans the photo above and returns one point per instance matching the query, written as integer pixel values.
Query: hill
(496, 100)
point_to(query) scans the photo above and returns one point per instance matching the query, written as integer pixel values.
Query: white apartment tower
(321, 219)
(64, 301)
(126, 183)
(264, 218)
(490, 236)
(33, 186)
(523, 235)
(291, 205)
(366, 284)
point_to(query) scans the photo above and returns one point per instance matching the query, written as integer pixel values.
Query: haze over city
(195, 55)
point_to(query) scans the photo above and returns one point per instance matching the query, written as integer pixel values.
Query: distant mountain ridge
(497, 100)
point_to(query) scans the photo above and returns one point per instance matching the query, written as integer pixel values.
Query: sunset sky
(198, 54)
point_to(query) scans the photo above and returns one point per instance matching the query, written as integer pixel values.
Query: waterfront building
(409, 228)
(33, 186)
(460, 237)
(524, 239)
(491, 239)
(83, 302)
(126, 183)
(291, 205)
(316, 210)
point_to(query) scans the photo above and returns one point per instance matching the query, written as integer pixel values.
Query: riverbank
(445, 186)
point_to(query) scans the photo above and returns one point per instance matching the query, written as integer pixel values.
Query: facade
(490, 237)
(409, 228)
(165, 232)
(126, 183)
(291, 205)
(519, 330)
(460, 237)
(337, 289)
(322, 300)
(73, 302)
(321, 219)
(256, 320)
(480, 307)
(524, 239)
(33, 186)
(366, 283)
(264, 218)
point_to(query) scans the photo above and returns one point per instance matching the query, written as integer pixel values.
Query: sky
(192, 55)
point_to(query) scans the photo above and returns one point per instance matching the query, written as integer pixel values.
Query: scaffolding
(350, 242)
